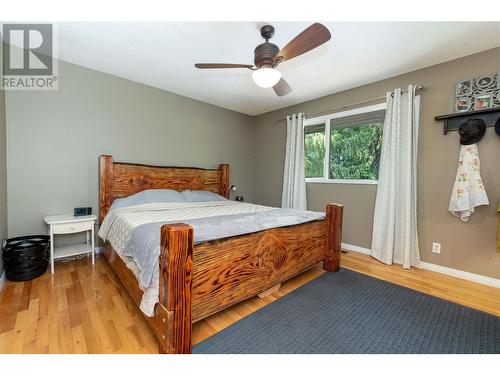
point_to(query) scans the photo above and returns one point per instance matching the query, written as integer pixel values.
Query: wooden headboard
(119, 180)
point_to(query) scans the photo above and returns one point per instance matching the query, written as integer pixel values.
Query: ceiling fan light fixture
(266, 77)
(268, 55)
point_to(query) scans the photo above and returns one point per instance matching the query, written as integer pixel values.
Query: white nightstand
(68, 224)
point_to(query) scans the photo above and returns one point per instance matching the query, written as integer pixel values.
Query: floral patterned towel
(468, 191)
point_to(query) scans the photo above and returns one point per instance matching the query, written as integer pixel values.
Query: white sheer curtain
(294, 182)
(395, 238)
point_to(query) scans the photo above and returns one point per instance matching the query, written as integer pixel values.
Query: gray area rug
(347, 312)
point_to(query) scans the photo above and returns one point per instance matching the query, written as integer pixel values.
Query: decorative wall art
(478, 93)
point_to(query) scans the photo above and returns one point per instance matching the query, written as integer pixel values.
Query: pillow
(201, 196)
(163, 196)
(149, 196)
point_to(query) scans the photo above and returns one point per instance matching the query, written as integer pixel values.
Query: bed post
(224, 180)
(334, 213)
(176, 265)
(105, 185)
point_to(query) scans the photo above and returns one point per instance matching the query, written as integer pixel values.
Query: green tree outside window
(355, 152)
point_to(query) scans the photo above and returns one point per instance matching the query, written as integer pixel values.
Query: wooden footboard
(197, 281)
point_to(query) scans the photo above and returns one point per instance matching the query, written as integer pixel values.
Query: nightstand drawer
(72, 227)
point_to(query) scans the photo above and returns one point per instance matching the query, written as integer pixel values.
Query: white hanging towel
(468, 191)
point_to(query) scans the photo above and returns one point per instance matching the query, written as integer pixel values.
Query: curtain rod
(329, 111)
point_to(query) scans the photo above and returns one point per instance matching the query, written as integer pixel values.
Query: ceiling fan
(268, 56)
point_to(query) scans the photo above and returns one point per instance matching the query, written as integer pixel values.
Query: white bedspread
(119, 222)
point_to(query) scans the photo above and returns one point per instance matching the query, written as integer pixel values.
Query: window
(350, 153)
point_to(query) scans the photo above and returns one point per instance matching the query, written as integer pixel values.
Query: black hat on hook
(471, 131)
(497, 126)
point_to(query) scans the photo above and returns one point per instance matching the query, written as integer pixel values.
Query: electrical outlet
(436, 247)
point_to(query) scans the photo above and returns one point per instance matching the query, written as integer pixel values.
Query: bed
(202, 278)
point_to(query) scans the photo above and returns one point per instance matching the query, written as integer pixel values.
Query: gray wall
(469, 247)
(54, 140)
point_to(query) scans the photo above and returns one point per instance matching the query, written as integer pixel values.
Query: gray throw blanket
(143, 243)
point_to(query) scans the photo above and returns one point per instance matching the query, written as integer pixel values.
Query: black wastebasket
(26, 257)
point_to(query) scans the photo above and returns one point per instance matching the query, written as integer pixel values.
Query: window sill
(348, 182)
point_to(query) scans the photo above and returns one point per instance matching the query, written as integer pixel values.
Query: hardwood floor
(84, 309)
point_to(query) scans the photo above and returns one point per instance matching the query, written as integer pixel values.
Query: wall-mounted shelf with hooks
(453, 120)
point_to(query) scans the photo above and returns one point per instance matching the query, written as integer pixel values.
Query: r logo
(27, 50)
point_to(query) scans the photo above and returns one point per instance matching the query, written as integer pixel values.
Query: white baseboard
(2, 281)
(357, 249)
(480, 279)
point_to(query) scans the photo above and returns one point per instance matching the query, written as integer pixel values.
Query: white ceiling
(162, 55)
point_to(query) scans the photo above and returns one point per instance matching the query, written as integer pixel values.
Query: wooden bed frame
(199, 280)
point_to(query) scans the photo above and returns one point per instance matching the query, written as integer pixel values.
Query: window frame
(325, 120)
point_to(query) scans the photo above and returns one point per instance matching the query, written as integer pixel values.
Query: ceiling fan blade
(312, 37)
(282, 88)
(222, 66)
